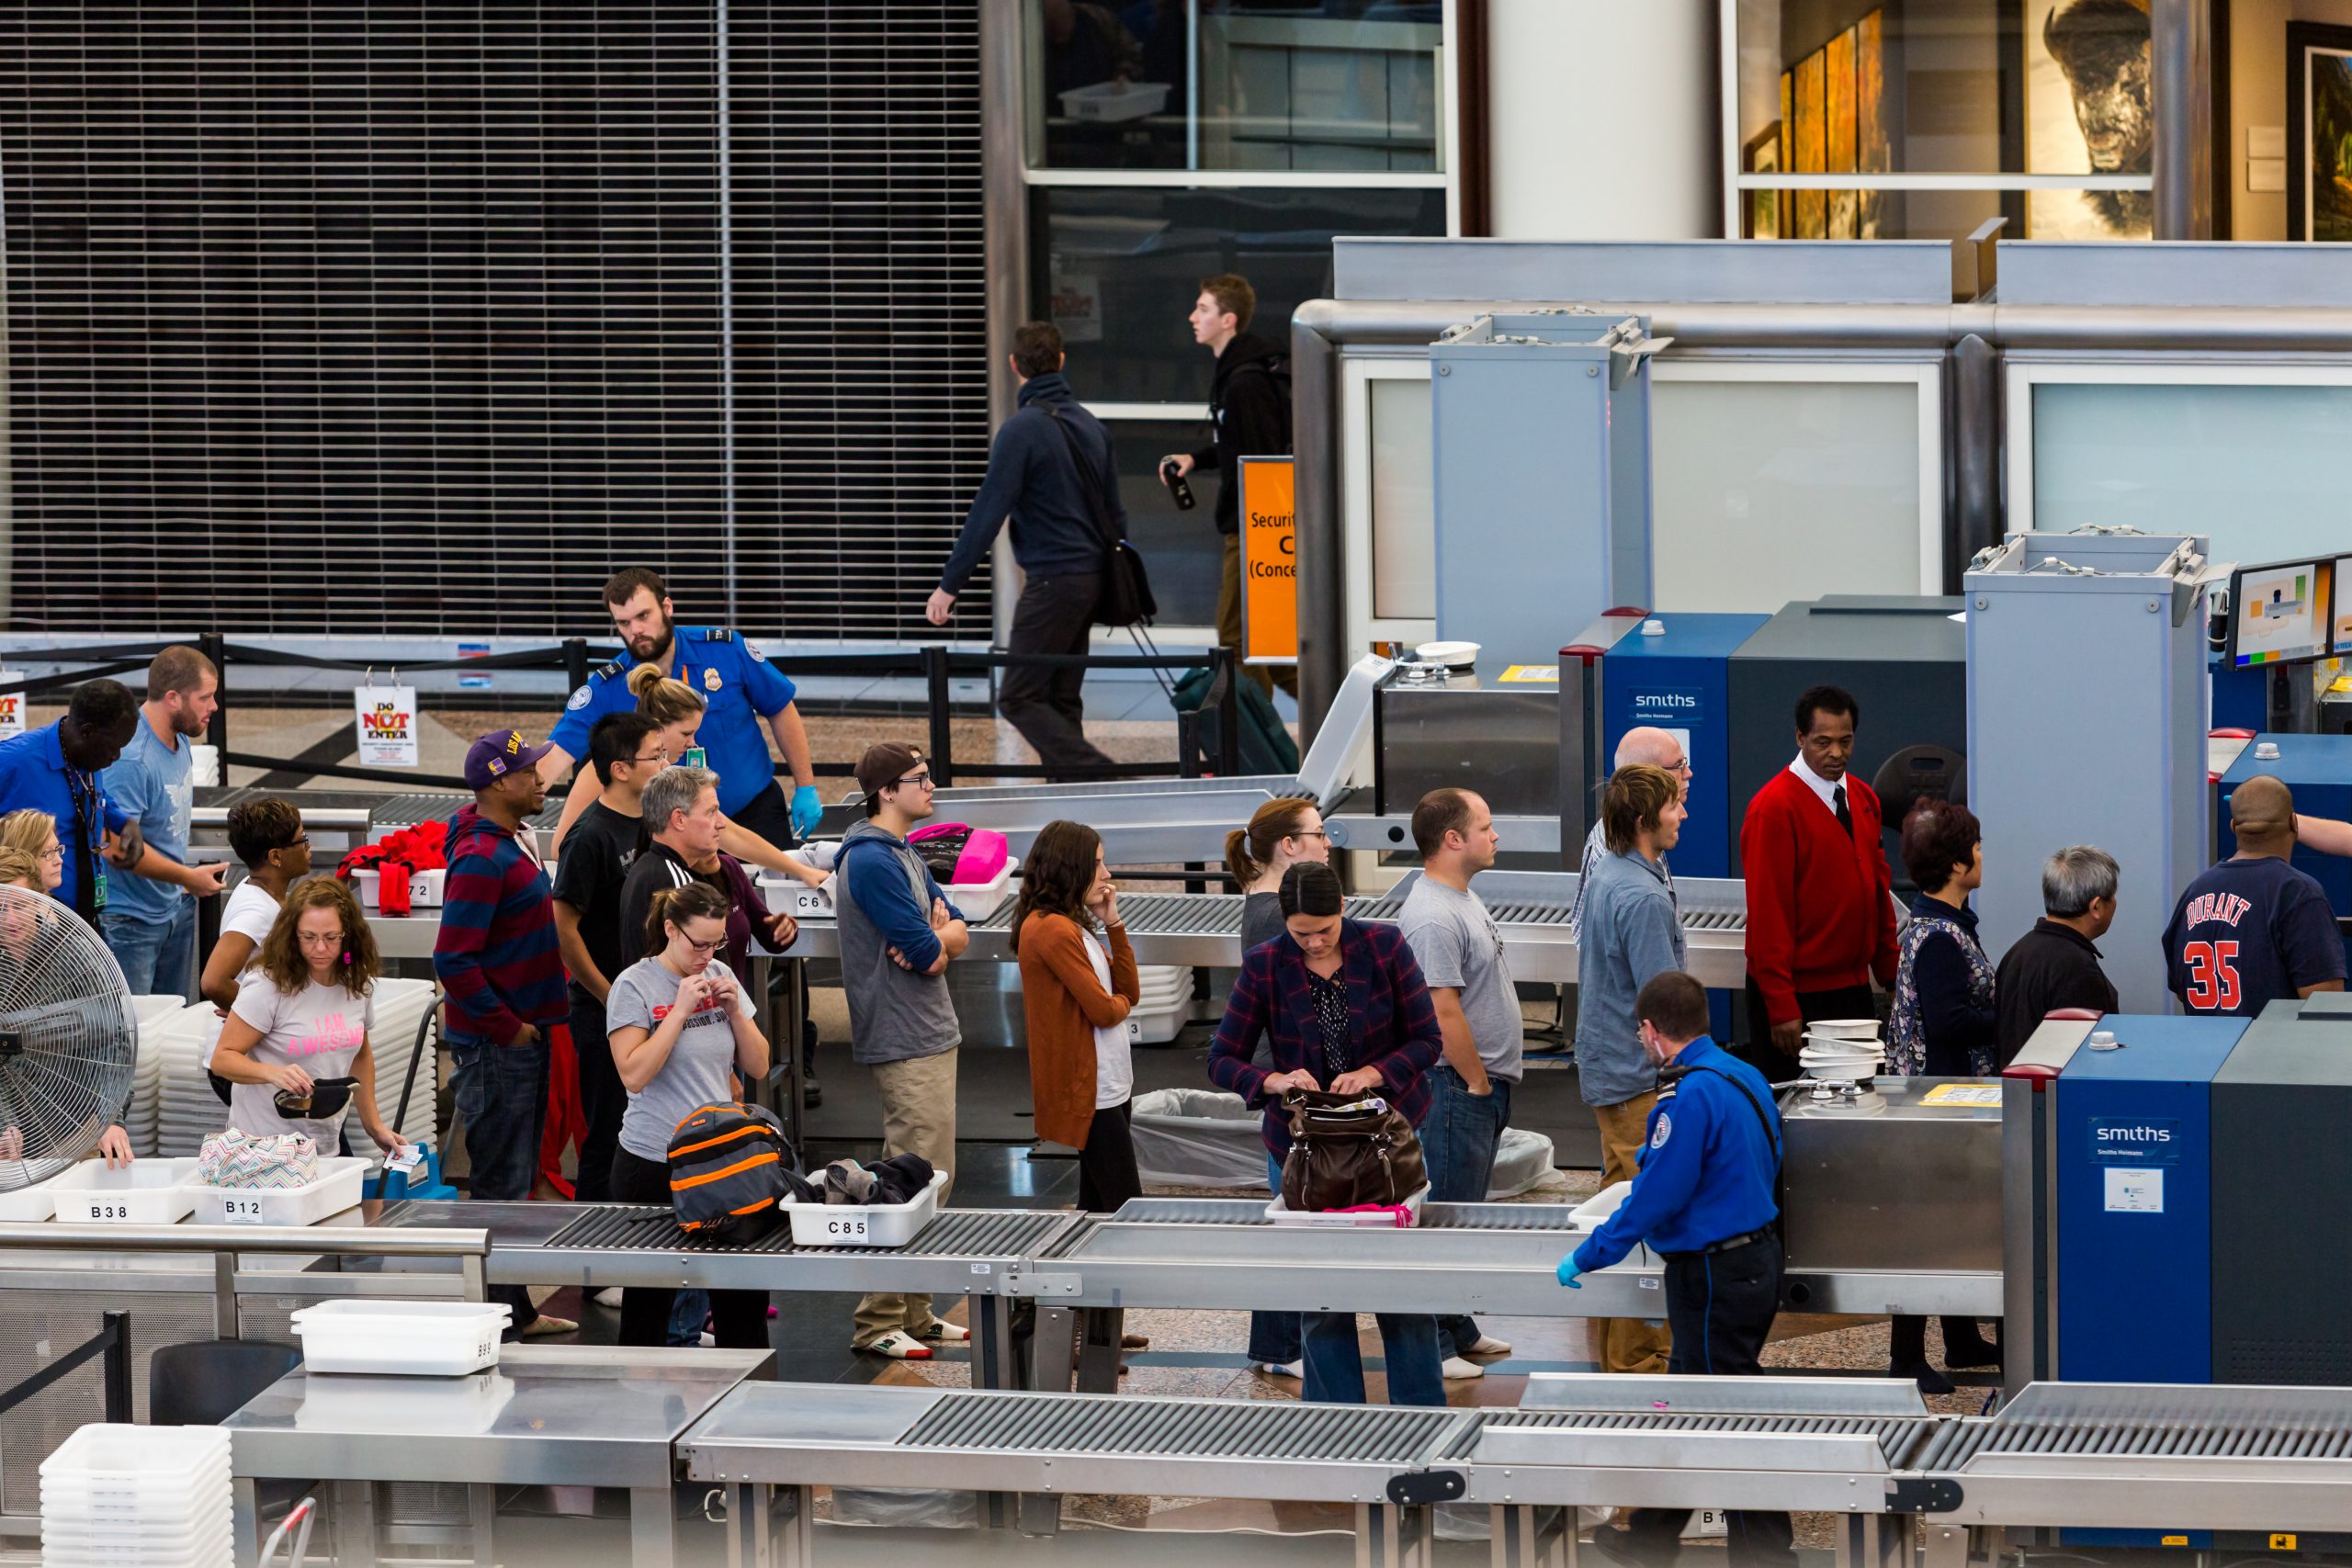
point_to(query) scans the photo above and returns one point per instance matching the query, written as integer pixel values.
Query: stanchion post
(214, 647)
(117, 1369)
(943, 730)
(575, 663)
(1228, 681)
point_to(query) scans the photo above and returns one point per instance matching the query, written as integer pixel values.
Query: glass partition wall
(1167, 140)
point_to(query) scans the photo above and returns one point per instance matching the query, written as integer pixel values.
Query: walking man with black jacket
(1034, 477)
(1249, 414)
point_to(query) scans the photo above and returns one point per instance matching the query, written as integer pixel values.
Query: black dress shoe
(812, 1093)
(1930, 1380)
(1969, 1355)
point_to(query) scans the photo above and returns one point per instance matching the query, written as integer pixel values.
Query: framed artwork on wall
(2088, 111)
(2319, 131)
(1762, 156)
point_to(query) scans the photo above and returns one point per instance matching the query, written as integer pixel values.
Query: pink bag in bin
(959, 854)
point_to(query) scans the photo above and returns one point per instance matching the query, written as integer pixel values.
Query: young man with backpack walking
(1249, 417)
(1050, 470)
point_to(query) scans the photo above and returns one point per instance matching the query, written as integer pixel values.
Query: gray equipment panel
(1878, 1181)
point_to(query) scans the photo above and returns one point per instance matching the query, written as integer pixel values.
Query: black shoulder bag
(1125, 597)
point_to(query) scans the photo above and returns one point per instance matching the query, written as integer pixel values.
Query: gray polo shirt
(1457, 943)
(1633, 930)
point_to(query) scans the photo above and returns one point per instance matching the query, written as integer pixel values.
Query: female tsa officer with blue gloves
(741, 691)
(1705, 1202)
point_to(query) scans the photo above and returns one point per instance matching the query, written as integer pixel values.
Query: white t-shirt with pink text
(318, 1029)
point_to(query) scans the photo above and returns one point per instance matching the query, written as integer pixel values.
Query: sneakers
(1456, 1369)
(1279, 1369)
(1487, 1345)
(610, 1298)
(546, 1326)
(899, 1345)
(942, 1332)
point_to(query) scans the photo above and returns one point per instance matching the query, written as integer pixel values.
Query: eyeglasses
(54, 851)
(919, 780)
(1311, 833)
(705, 948)
(300, 840)
(652, 757)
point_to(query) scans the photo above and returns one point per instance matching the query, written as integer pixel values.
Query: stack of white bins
(401, 1006)
(1164, 1005)
(138, 1497)
(187, 1110)
(155, 1015)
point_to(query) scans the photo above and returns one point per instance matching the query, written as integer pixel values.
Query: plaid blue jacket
(1391, 1021)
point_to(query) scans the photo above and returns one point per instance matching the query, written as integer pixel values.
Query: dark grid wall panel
(404, 317)
(860, 328)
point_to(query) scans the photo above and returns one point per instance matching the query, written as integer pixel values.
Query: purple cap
(499, 753)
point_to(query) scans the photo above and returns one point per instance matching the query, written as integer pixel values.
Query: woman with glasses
(682, 1028)
(1281, 834)
(34, 833)
(267, 836)
(294, 1049)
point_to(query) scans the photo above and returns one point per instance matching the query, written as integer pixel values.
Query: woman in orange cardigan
(1078, 982)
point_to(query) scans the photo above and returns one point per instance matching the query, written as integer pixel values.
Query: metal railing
(937, 666)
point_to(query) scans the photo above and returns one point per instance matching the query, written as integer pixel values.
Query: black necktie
(1845, 817)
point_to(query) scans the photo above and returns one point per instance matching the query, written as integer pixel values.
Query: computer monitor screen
(2342, 636)
(2283, 613)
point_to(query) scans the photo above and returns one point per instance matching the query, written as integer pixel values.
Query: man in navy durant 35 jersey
(2254, 928)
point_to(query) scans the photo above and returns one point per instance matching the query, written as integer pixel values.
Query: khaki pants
(1626, 1344)
(1228, 624)
(918, 1118)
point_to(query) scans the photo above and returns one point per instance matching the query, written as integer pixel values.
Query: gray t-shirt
(700, 1069)
(1458, 944)
(318, 1029)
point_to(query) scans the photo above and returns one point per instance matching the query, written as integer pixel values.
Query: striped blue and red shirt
(496, 956)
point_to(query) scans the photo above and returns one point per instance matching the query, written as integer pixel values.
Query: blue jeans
(688, 1312)
(1458, 1141)
(1273, 1336)
(502, 1094)
(1335, 1361)
(158, 957)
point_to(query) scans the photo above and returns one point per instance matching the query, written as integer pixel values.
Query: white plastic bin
(1593, 1212)
(433, 1339)
(864, 1224)
(27, 1204)
(150, 1193)
(338, 1187)
(1333, 1219)
(1110, 101)
(99, 1457)
(425, 888)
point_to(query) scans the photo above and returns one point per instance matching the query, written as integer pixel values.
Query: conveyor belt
(1246, 1430)
(2097, 1420)
(1895, 1436)
(1434, 1217)
(961, 1233)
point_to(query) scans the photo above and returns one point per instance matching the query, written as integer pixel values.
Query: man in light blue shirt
(1632, 932)
(150, 919)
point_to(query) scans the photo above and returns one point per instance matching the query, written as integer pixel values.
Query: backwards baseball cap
(884, 764)
(497, 754)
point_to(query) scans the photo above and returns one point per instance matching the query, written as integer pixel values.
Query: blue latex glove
(1568, 1271)
(807, 809)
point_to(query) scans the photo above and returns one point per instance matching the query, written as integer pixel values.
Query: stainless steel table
(546, 1415)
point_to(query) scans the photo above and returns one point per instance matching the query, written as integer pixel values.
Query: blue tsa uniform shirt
(35, 774)
(740, 688)
(1707, 1169)
(2248, 933)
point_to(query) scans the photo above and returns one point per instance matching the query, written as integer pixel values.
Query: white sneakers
(1487, 1345)
(610, 1298)
(1456, 1369)
(1279, 1369)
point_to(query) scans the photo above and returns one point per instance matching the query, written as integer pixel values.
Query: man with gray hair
(1657, 749)
(2055, 965)
(682, 827)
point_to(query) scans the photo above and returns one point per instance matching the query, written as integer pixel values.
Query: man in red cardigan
(1820, 909)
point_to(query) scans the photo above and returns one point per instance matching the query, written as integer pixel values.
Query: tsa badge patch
(579, 700)
(1658, 1135)
(710, 679)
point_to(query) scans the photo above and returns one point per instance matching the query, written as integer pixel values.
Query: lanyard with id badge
(88, 821)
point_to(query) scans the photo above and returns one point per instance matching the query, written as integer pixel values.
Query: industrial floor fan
(69, 1038)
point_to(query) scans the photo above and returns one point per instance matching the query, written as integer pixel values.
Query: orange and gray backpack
(730, 1166)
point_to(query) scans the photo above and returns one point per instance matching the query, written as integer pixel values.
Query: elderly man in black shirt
(2055, 965)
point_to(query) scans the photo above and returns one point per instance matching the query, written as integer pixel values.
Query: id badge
(696, 756)
(98, 886)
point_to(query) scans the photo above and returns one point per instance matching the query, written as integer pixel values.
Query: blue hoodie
(894, 1014)
(1032, 477)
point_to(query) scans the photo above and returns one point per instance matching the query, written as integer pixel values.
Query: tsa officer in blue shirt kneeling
(740, 690)
(1704, 1200)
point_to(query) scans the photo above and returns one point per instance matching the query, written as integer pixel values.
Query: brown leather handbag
(1346, 1150)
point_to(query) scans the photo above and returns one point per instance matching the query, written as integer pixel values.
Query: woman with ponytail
(682, 1028)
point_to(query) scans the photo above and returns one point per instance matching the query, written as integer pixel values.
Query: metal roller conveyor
(1213, 1252)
